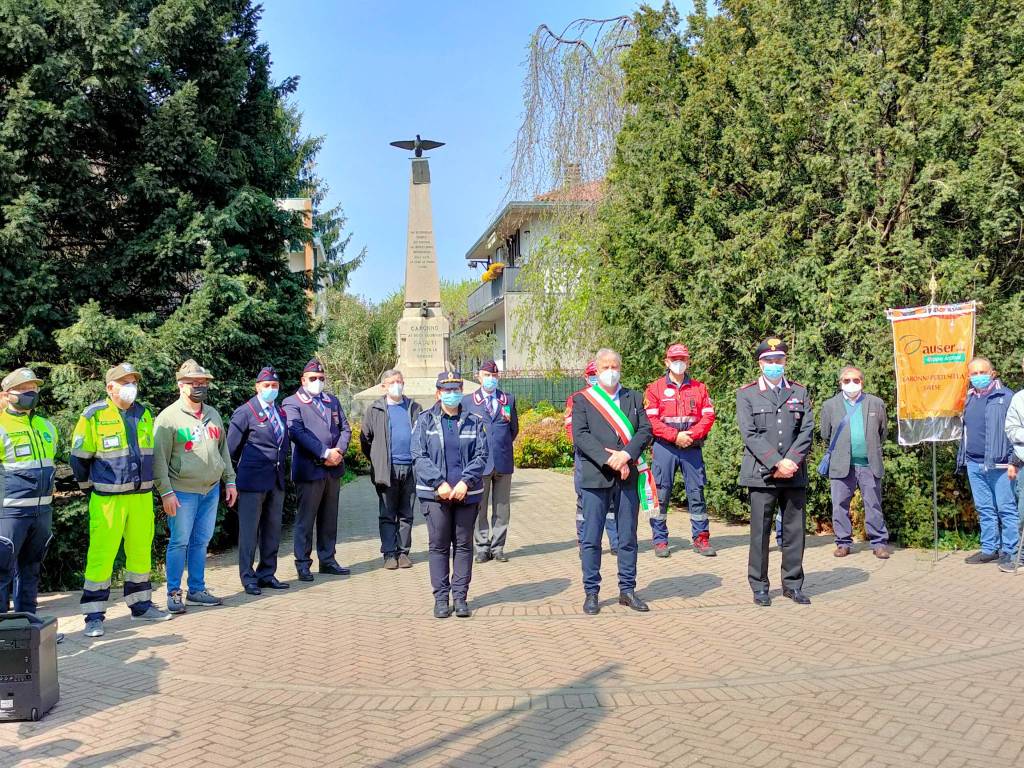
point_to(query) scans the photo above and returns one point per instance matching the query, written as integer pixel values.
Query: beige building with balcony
(502, 305)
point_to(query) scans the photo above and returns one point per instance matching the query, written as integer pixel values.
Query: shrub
(542, 441)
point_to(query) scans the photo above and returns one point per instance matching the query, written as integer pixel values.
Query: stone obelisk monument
(423, 330)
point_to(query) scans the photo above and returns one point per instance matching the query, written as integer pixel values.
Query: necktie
(275, 423)
(320, 408)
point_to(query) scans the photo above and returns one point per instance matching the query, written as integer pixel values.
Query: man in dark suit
(776, 422)
(320, 434)
(610, 431)
(856, 460)
(258, 445)
(497, 410)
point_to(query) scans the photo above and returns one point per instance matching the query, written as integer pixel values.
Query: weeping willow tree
(572, 113)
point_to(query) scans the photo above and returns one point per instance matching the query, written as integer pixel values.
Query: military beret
(489, 367)
(267, 373)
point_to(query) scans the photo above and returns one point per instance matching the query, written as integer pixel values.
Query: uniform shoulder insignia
(93, 409)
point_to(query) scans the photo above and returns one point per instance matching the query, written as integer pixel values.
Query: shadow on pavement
(546, 743)
(523, 593)
(139, 678)
(820, 582)
(690, 585)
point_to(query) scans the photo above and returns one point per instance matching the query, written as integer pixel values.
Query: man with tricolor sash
(610, 432)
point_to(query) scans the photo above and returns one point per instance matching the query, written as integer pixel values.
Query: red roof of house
(588, 192)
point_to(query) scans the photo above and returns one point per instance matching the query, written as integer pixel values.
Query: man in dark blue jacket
(320, 433)
(497, 410)
(258, 444)
(449, 453)
(985, 452)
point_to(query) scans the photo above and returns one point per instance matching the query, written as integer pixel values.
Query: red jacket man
(681, 414)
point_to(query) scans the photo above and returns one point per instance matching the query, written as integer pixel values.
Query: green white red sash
(646, 489)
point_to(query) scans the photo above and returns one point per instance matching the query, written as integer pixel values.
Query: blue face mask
(451, 399)
(774, 370)
(268, 395)
(490, 383)
(981, 380)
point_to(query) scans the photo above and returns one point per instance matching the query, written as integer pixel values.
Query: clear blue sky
(376, 72)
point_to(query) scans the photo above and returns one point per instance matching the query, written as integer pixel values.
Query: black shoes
(796, 596)
(334, 569)
(982, 557)
(500, 556)
(441, 609)
(482, 557)
(590, 605)
(305, 575)
(273, 583)
(462, 609)
(252, 589)
(634, 602)
(762, 599)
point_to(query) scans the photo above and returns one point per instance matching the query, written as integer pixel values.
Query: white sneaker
(94, 628)
(152, 614)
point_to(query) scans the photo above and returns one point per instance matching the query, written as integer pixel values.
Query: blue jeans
(191, 530)
(596, 503)
(997, 508)
(665, 459)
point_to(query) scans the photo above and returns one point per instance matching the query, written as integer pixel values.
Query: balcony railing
(493, 291)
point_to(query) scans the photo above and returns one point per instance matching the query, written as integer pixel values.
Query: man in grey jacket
(386, 439)
(862, 425)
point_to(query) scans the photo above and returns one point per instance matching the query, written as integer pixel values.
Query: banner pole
(935, 503)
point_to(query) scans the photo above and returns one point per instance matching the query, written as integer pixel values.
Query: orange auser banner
(932, 347)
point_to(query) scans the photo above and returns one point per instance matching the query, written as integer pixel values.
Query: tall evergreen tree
(142, 146)
(796, 167)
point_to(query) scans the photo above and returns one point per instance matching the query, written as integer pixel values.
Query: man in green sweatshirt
(190, 457)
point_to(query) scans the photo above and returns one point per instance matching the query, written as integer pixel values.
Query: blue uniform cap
(450, 380)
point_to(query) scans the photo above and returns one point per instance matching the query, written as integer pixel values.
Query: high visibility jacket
(111, 451)
(29, 445)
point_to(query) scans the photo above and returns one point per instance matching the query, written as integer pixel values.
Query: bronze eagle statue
(418, 145)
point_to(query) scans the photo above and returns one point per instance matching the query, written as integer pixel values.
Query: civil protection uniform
(26, 488)
(674, 408)
(112, 456)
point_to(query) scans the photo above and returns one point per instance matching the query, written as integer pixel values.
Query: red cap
(591, 369)
(676, 351)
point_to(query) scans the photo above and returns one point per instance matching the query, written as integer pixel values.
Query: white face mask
(678, 367)
(128, 393)
(609, 377)
(852, 389)
(395, 390)
(314, 387)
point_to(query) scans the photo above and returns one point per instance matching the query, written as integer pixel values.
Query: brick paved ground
(896, 663)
